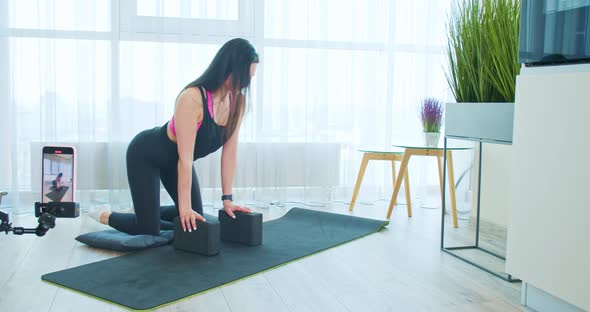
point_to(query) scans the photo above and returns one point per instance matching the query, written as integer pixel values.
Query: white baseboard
(542, 301)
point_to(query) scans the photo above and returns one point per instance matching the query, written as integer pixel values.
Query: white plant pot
(431, 138)
(489, 122)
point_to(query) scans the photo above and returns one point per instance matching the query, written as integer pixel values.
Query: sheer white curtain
(334, 76)
(56, 88)
(353, 73)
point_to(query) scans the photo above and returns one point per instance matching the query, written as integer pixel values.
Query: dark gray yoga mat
(58, 195)
(155, 277)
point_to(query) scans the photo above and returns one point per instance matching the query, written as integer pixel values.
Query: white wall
(495, 183)
(549, 213)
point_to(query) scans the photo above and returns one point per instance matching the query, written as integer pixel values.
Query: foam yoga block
(246, 228)
(204, 240)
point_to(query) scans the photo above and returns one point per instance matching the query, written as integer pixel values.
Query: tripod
(45, 222)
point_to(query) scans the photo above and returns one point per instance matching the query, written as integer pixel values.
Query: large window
(71, 15)
(199, 19)
(222, 9)
(336, 71)
(327, 95)
(327, 20)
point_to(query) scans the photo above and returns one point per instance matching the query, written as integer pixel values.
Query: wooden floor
(400, 268)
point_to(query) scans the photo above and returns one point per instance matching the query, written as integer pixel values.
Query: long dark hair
(234, 58)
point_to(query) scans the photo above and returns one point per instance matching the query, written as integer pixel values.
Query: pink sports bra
(209, 107)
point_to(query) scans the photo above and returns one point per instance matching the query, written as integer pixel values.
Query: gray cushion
(119, 241)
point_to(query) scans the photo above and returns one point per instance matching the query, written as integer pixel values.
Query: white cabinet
(549, 206)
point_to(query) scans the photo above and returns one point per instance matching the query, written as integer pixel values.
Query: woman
(56, 184)
(207, 115)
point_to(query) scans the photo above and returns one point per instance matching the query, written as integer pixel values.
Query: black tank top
(210, 136)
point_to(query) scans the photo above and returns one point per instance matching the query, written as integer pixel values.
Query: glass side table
(418, 148)
(387, 155)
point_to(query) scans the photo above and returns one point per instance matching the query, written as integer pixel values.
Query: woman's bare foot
(100, 213)
(104, 217)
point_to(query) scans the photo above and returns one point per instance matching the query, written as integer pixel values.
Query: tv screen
(554, 32)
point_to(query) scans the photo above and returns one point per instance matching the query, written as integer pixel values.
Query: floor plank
(300, 290)
(253, 294)
(16, 246)
(212, 300)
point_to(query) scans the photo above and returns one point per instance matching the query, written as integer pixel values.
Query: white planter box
(489, 122)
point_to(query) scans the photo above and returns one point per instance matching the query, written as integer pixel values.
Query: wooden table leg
(398, 182)
(407, 188)
(359, 179)
(452, 188)
(393, 177)
(440, 175)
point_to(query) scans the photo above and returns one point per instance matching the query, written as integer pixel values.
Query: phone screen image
(58, 174)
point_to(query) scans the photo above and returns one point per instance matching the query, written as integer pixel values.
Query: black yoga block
(246, 228)
(204, 240)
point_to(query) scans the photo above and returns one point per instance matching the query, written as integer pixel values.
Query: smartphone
(58, 178)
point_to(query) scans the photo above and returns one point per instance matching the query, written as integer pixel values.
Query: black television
(554, 32)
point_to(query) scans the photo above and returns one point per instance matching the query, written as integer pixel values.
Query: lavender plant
(431, 114)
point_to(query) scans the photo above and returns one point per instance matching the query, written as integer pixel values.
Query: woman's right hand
(188, 219)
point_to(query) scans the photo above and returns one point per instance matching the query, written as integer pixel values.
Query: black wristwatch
(227, 197)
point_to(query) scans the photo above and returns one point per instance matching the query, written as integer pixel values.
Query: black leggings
(152, 157)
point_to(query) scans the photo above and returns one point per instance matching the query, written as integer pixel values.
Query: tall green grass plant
(483, 50)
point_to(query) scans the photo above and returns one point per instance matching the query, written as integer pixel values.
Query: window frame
(133, 26)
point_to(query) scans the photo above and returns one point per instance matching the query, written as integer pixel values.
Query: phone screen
(58, 174)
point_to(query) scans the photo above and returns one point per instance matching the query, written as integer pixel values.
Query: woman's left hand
(229, 208)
